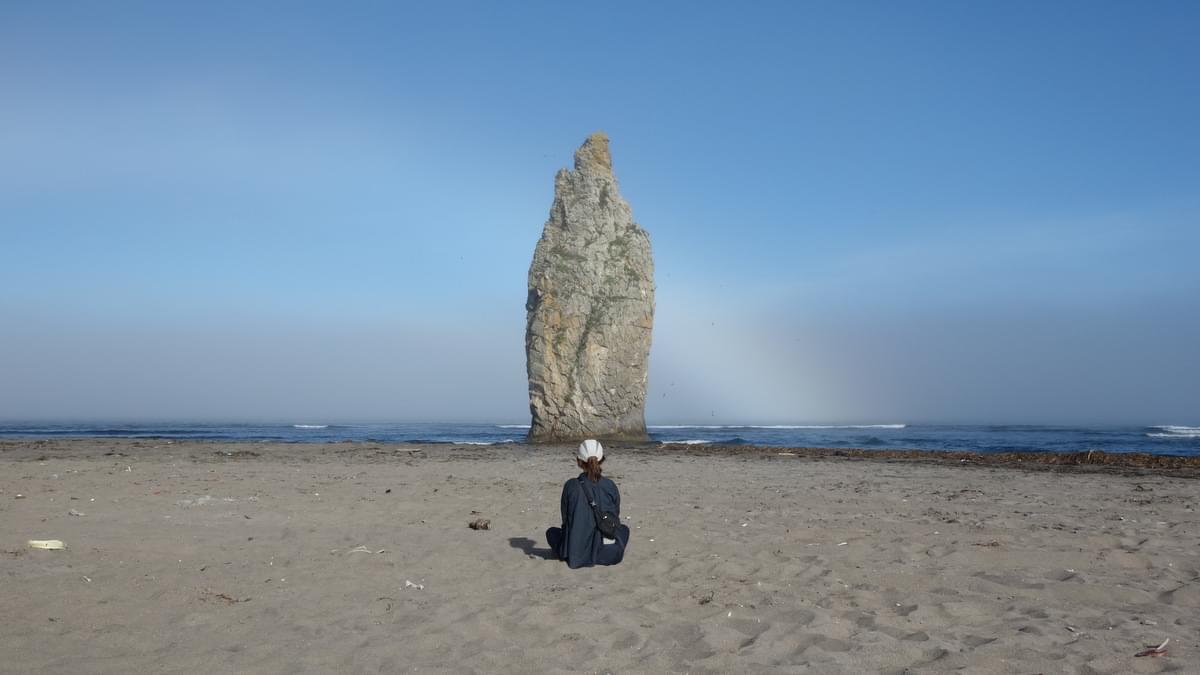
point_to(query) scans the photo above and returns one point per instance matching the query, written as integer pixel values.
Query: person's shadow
(529, 546)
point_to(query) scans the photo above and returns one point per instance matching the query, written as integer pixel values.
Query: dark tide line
(1130, 463)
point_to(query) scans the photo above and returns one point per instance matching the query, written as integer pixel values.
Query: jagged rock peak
(590, 309)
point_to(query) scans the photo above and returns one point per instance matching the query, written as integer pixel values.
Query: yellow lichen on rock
(594, 152)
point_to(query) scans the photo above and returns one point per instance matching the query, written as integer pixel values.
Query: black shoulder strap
(591, 497)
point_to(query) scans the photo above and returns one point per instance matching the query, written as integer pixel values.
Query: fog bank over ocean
(716, 364)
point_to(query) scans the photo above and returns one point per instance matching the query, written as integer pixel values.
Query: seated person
(578, 541)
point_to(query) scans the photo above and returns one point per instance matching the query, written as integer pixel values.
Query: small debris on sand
(47, 544)
(228, 599)
(202, 501)
(1160, 650)
(480, 524)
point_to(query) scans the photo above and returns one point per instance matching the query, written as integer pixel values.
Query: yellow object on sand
(47, 544)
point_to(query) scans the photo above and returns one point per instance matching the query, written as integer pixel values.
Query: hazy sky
(860, 212)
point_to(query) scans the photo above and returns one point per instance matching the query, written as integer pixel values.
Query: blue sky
(860, 212)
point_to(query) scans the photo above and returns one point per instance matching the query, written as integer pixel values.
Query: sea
(1167, 439)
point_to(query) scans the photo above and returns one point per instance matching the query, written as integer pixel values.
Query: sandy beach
(259, 558)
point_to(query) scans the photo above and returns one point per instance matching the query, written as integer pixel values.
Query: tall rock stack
(590, 309)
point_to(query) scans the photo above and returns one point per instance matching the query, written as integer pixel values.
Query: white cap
(590, 448)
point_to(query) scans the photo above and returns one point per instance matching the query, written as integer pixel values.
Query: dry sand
(223, 558)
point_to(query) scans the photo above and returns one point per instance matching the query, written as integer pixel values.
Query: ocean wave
(831, 426)
(512, 426)
(1175, 435)
(777, 426)
(507, 440)
(1175, 429)
(310, 426)
(687, 442)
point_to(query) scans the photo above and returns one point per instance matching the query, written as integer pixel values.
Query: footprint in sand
(1008, 581)
(974, 641)
(868, 622)
(806, 641)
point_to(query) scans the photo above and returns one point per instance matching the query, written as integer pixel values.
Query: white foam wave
(1177, 435)
(507, 440)
(777, 426)
(1174, 429)
(832, 426)
(310, 426)
(688, 442)
(512, 426)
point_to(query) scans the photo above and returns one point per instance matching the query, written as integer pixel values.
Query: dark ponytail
(593, 469)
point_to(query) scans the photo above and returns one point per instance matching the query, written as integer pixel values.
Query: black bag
(606, 521)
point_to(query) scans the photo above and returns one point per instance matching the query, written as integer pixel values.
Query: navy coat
(581, 544)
